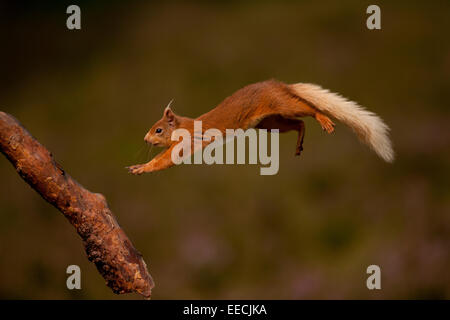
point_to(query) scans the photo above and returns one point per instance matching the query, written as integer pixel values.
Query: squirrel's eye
(159, 130)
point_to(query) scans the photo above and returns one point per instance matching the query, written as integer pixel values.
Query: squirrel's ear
(168, 114)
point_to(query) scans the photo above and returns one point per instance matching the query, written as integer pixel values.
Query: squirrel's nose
(147, 139)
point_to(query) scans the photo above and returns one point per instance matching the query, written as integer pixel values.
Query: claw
(136, 169)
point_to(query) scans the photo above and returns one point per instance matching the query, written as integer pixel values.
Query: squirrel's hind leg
(301, 135)
(284, 124)
(325, 122)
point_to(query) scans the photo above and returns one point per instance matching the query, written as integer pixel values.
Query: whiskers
(138, 156)
(149, 152)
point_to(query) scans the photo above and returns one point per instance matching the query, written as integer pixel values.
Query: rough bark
(105, 243)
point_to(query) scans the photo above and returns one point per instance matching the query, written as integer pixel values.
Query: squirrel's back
(245, 107)
(248, 106)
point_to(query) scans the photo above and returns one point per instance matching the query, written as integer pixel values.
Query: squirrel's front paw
(136, 169)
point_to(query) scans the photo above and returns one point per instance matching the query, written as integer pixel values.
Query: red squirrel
(272, 105)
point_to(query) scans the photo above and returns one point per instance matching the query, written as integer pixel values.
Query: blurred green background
(211, 232)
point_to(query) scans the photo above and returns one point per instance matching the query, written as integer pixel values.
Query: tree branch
(105, 242)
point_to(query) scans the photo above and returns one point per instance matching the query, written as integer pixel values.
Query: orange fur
(267, 105)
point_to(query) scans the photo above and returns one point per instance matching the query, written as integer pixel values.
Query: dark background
(225, 231)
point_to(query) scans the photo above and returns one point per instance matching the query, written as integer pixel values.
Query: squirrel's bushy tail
(367, 125)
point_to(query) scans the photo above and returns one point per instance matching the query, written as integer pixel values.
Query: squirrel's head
(161, 132)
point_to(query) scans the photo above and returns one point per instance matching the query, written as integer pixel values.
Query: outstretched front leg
(162, 161)
(284, 125)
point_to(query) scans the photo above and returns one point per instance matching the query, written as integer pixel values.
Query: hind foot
(325, 122)
(298, 150)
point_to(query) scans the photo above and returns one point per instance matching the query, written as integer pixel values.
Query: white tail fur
(367, 125)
